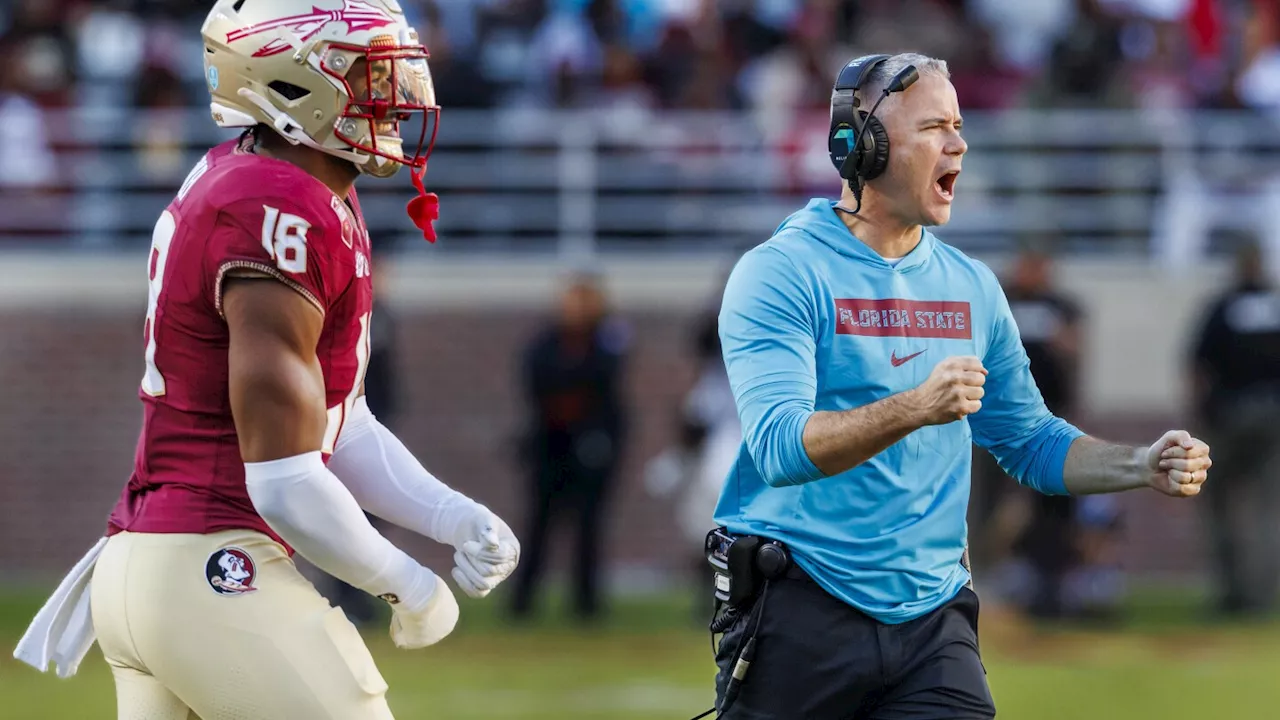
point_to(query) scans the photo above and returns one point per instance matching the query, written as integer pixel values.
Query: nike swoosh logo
(899, 361)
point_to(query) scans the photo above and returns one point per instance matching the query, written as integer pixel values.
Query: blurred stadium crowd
(703, 54)
(768, 58)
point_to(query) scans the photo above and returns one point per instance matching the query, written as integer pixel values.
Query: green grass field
(649, 661)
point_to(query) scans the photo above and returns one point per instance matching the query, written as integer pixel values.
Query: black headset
(857, 140)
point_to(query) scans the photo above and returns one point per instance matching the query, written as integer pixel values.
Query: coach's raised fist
(1179, 464)
(952, 391)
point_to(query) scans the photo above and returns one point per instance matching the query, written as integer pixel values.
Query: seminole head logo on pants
(230, 571)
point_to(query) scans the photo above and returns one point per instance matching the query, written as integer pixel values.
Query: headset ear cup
(875, 151)
(838, 145)
(843, 128)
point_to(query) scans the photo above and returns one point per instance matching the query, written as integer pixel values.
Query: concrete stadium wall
(71, 358)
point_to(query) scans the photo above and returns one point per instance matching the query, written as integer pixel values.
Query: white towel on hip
(62, 632)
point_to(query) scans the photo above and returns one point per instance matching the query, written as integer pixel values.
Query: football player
(256, 440)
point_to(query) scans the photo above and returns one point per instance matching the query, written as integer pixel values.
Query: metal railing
(582, 181)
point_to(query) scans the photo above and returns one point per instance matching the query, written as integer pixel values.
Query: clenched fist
(1179, 464)
(413, 628)
(952, 391)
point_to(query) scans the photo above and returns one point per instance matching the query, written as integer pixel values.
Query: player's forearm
(1094, 466)
(310, 509)
(388, 481)
(839, 441)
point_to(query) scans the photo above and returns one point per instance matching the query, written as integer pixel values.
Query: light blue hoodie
(814, 320)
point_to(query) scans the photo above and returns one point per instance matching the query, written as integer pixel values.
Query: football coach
(865, 357)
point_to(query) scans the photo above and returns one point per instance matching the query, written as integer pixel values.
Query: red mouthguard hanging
(424, 209)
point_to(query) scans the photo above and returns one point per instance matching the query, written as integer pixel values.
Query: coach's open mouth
(947, 184)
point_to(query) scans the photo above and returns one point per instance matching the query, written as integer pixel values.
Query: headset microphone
(904, 79)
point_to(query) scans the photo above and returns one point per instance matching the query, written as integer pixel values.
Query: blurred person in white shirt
(691, 472)
(26, 158)
(28, 165)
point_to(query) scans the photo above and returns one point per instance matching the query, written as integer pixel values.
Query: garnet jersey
(236, 212)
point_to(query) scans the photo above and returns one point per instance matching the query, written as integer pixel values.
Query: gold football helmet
(339, 76)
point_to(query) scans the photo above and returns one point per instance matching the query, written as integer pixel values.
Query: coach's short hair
(884, 72)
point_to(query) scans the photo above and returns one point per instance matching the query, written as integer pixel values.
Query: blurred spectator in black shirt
(1084, 62)
(1063, 545)
(1049, 323)
(1236, 368)
(573, 382)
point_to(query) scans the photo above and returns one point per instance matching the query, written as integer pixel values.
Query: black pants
(817, 658)
(1242, 502)
(561, 485)
(1049, 544)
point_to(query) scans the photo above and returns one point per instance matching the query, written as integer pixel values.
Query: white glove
(388, 481)
(411, 629)
(487, 552)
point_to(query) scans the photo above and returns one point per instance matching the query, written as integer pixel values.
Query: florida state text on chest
(904, 318)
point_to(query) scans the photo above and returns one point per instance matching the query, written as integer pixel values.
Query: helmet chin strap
(425, 208)
(291, 130)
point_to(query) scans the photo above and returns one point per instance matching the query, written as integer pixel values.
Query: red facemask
(397, 91)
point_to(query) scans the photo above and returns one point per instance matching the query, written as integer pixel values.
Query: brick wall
(69, 420)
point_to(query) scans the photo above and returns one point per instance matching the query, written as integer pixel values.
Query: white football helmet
(338, 76)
